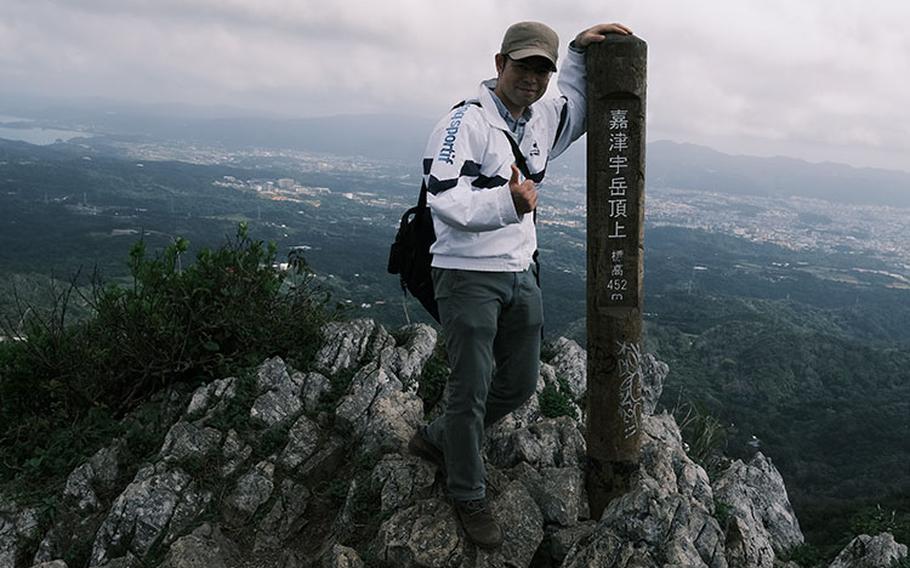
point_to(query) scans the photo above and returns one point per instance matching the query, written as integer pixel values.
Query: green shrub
(64, 390)
(556, 401)
(806, 555)
(876, 520)
(704, 433)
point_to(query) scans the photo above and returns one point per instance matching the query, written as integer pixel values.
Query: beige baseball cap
(530, 39)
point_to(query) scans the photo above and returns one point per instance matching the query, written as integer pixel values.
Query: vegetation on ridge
(65, 388)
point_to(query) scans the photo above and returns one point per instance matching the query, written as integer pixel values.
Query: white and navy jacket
(467, 166)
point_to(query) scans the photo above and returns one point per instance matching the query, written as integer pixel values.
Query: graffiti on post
(630, 398)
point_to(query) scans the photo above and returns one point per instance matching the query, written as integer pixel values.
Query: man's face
(521, 82)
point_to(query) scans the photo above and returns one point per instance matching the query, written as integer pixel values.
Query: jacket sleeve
(571, 107)
(457, 193)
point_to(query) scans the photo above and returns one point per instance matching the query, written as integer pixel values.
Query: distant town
(795, 223)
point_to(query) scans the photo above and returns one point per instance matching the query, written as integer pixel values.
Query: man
(483, 276)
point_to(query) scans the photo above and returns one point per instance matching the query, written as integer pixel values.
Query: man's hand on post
(598, 33)
(524, 193)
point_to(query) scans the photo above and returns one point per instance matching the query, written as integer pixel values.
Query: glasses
(536, 67)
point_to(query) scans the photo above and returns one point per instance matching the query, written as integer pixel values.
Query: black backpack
(410, 256)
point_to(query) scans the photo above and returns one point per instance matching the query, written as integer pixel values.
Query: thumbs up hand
(524, 193)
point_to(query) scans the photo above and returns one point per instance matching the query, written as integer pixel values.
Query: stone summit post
(616, 194)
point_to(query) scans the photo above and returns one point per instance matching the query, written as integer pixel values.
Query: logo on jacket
(535, 149)
(447, 152)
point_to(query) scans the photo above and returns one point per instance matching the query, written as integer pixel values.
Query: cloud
(811, 79)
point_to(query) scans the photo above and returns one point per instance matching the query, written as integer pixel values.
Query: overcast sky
(813, 79)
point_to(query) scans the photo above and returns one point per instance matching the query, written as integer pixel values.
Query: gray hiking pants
(487, 318)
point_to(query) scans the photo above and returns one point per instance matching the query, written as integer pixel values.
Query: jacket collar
(490, 110)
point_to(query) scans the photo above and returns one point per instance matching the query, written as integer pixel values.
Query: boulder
(762, 522)
(653, 374)
(341, 557)
(522, 527)
(558, 491)
(553, 442)
(377, 413)
(278, 397)
(314, 386)
(205, 547)
(406, 361)
(558, 541)
(402, 481)
(285, 519)
(19, 531)
(665, 519)
(210, 398)
(866, 551)
(235, 451)
(424, 535)
(251, 491)
(158, 506)
(187, 440)
(303, 440)
(570, 364)
(428, 535)
(348, 344)
(84, 507)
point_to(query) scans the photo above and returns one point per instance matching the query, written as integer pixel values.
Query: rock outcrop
(284, 469)
(866, 551)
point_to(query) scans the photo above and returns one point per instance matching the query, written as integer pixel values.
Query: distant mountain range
(402, 138)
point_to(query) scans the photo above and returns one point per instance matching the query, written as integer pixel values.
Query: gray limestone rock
(82, 510)
(403, 480)
(187, 440)
(315, 385)
(406, 361)
(553, 442)
(205, 547)
(210, 398)
(279, 394)
(325, 463)
(866, 551)
(303, 440)
(19, 531)
(341, 557)
(252, 490)
(547, 377)
(666, 519)
(424, 535)
(348, 344)
(559, 540)
(51, 564)
(427, 534)
(558, 491)
(159, 505)
(570, 364)
(235, 452)
(128, 560)
(378, 414)
(653, 375)
(762, 522)
(522, 528)
(98, 474)
(285, 519)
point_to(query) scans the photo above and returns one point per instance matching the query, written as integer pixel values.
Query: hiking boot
(422, 447)
(478, 523)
